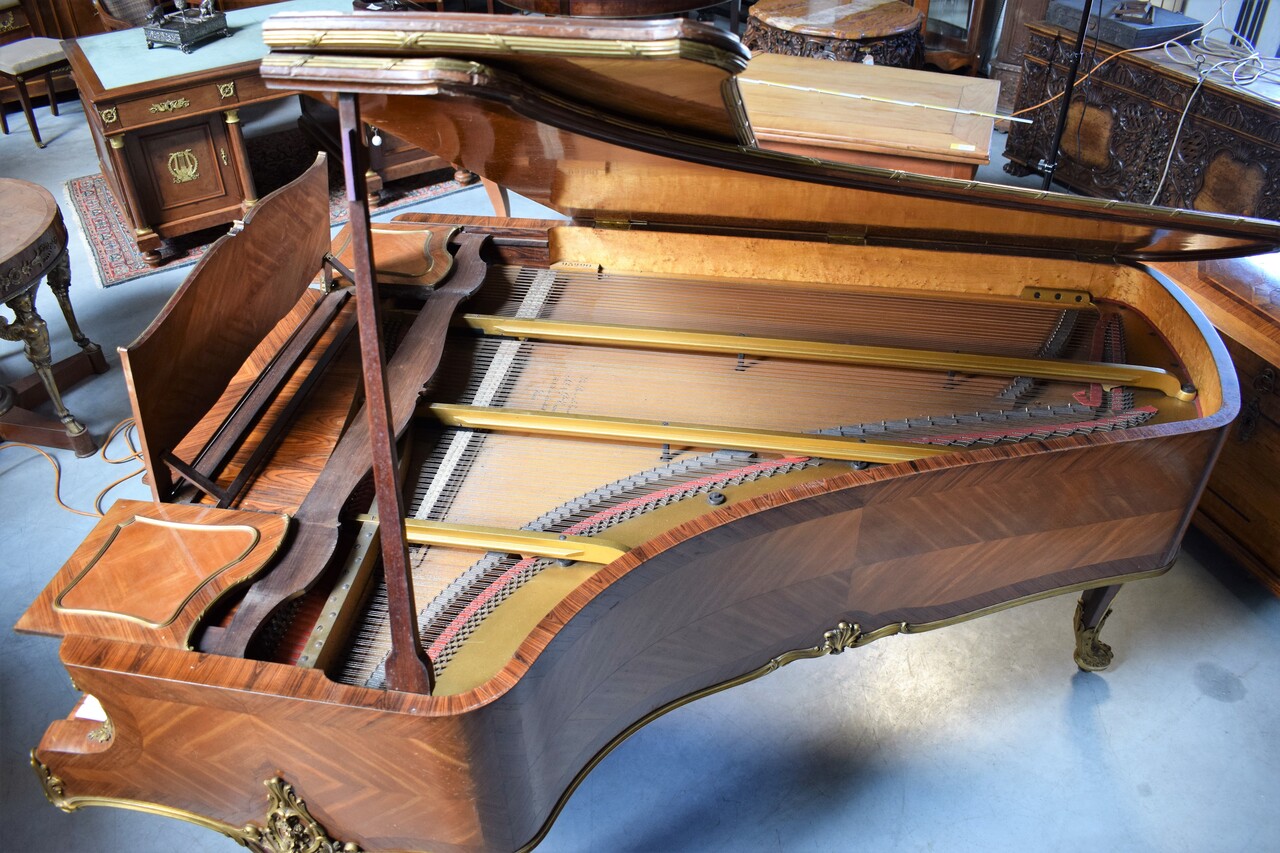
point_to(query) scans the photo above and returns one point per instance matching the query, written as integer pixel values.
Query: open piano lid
(640, 124)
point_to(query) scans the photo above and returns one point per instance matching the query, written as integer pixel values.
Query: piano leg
(1091, 614)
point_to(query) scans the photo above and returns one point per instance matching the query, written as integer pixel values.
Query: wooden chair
(21, 60)
(123, 14)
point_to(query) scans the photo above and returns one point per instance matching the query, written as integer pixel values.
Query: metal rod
(1107, 374)
(528, 543)
(681, 434)
(408, 668)
(1051, 165)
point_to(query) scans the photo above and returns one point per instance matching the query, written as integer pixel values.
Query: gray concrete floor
(980, 736)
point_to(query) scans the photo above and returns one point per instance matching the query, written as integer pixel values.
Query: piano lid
(640, 124)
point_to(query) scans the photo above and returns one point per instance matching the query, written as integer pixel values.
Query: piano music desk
(870, 132)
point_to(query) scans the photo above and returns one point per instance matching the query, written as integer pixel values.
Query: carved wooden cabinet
(1006, 56)
(1124, 118)
(1240, 508)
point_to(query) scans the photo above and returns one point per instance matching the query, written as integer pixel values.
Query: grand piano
(431, 539)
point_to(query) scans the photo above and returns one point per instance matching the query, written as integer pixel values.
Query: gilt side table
(33, 246)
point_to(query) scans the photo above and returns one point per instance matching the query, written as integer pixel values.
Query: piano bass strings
(589, 438)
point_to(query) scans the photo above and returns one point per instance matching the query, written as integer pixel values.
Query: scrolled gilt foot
(1091, 654)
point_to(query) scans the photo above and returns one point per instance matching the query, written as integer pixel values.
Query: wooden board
(148, 572)
(864, 131)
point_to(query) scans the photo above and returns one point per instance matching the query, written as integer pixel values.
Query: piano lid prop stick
(408, 667)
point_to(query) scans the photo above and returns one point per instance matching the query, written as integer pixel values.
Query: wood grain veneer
(149, 572)
(178, 367)
(712, 595)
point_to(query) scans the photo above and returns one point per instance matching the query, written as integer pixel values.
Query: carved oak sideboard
(1124, 118)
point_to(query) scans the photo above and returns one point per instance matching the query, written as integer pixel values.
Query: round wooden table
(33, 246)
(890, 33)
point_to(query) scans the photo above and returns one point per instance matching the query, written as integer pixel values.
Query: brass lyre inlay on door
(183, 166)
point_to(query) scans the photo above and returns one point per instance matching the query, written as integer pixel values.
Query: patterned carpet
(277, 159)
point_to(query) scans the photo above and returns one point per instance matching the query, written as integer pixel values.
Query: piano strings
(584, 486)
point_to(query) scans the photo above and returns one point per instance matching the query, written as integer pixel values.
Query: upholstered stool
(891, 33)
(27, 58)
(33, 245)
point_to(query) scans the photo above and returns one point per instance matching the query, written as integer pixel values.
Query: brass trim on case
(844, 635)
(110, 115)
(171, 105)
(490, 43)
(255, 536)
(287, 828)
(227, 90)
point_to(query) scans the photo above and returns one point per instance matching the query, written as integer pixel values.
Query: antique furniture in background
(33, 57)
(871, 131)
(957, 33)
(1240, 509)
(390, 158)
(57, 19)
(889, 31)
(1123, 120)
(1007, 55)
(166, 125)
(33, 246)
(124, 14)
(744, 408)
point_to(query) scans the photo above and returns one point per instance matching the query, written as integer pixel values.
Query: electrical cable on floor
(125, 427)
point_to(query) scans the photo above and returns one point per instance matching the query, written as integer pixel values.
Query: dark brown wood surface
(722, 594)
(1240, 509)
(414, 362)
(538, 142)
(483, 770)
(1124, 119)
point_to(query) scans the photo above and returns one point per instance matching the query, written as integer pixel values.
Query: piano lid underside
(628, 491)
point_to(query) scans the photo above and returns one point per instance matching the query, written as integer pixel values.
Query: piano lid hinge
(1057, 296)
(848, 238)
(620, 224)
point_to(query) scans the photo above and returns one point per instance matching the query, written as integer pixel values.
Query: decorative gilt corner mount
(290, 828)
(287, 828)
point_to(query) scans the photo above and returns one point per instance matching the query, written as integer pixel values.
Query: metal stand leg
(1091, 614)
(59, 281)
(29, 327)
